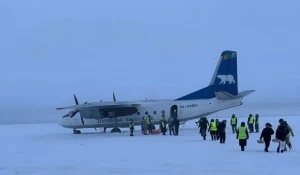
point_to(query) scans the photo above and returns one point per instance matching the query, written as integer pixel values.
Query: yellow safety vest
(148, 121)
(233, 121)
(162, 123)
(242, 132)
(251, 121)
(131, 125)
(213, 126)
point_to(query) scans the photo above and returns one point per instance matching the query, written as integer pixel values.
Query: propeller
(74, 112)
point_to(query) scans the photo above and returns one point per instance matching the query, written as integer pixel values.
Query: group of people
(253, 123)
(217, 131)
(215, 128)
(173, 125)
(147, 125)
(282, 136)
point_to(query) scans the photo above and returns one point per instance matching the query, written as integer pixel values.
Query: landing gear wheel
(76, 131)
(116, 130)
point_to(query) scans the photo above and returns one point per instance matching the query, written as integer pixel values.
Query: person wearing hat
(203, 125)
(287, 140)
(281, 133)
(242, 134)
(221, 130)
(266, 134)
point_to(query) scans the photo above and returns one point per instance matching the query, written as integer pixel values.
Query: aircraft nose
(62, 121)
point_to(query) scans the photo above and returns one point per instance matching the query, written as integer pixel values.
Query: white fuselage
(186, 110)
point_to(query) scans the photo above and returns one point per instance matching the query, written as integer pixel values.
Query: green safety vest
(131, 125)
(242, 132)
(148, 121)
(162, 123)
(251, 121)
(233, 121)
(213, 126)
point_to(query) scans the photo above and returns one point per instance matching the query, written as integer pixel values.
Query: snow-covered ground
(48, 149)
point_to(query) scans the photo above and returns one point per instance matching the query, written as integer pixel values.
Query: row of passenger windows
(154, 112)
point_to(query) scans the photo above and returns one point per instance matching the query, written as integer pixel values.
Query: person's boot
(266, 150)
(278, 149)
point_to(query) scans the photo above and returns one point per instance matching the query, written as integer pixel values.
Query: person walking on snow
(266, 134)
(281, 133)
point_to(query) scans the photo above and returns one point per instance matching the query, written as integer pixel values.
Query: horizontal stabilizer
(223, 95)
(245, 93)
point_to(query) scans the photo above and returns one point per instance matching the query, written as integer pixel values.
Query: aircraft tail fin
(224, 79)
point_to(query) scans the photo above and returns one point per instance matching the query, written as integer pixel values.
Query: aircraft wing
(101, 105)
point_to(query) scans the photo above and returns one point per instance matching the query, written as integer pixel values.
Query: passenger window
(146, 112)
(154, 112)
(138, 113)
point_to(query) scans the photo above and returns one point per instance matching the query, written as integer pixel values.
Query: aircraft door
(174, 111)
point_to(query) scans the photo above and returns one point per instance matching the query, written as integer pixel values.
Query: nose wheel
(75, 131)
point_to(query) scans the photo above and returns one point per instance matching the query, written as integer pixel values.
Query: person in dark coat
(281, 133)
(256, 123)
(217, 133)
(203, 124)
(163, 126)
(221, 130)
(242, 134)
(171, 125)
(176, 124)
(266, 134)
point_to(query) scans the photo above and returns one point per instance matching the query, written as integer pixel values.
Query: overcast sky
(142, 49)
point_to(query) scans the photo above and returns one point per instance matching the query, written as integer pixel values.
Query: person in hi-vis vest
(213, 129)
(242, 135)
(251, 123)
(233, 123)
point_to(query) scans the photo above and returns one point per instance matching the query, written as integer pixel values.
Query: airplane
(221, 94)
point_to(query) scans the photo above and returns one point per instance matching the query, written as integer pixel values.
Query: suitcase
(260, 141)
(156, 131)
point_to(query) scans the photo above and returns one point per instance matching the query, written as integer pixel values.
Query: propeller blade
(82, 121)
(85, 102)
(67, 115)
(75, 98)
(73, 113)
(114, 98)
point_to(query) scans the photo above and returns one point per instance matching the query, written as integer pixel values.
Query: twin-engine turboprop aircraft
(222, 93)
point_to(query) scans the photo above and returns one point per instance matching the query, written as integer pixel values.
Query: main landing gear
(116, 129)
(76, 131)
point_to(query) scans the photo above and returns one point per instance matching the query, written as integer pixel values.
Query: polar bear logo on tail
(225, 78)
